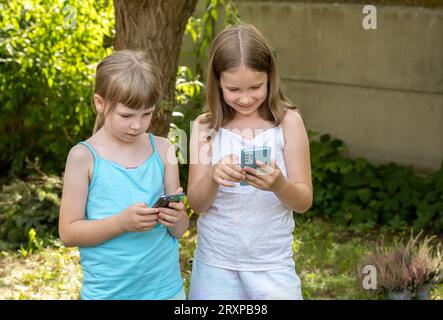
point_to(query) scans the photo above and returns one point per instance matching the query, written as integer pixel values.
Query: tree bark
(157, 27)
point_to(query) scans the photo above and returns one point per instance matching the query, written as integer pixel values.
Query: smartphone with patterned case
(250, 156)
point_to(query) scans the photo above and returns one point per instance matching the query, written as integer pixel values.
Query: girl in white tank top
(245, 232)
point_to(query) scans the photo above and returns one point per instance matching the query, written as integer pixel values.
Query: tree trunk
(157, 27)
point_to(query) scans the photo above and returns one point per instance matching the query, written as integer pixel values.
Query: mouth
(246, 106)
(132, 134)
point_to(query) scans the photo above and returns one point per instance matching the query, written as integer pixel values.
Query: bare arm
(202, 188)
(74, 230)
(204, 177)
(175, 218)
(295, 191)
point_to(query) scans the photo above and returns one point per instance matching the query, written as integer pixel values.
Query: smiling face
(244, 89)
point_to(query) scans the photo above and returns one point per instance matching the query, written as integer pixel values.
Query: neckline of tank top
(129, 168)
(255, 137)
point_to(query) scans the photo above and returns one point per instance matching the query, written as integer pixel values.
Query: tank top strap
(96, 162)
(156, 155)
(90, 149)
(151, 137)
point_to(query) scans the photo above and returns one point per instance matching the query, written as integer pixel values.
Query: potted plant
(408, 270)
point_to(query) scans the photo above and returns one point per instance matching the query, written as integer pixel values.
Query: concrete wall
(380, 91)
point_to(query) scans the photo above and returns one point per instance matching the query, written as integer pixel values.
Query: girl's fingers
(224, 183)
(177, 205)
(267, 168)
(256, 181)
(234, 172)
(165, 223)
(221, 177)
(235, 167)
(179, 190)
(167, 211)
(147, 211)
(256, 185)
(252, 178)
(167, 218)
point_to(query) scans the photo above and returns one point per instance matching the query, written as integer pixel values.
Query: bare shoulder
(165, 149)
(162, 143)
(294, 127)
(80, 162)
(292, 119)
(80, 155)
(202, 121)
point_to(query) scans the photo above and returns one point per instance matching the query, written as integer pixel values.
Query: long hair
(233, 47)
(129, 78)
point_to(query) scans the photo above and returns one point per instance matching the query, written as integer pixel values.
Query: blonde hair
(126, 77)
(233, 47)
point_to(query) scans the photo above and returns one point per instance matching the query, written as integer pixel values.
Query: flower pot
(400, 295)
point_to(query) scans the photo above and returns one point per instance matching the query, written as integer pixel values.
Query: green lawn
(326, 256)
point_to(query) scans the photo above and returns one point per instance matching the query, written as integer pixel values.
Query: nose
(136, 125)
(245, 100)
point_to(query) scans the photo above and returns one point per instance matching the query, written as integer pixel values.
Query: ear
(99, 103)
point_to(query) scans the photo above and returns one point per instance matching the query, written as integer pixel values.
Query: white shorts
(213, 283)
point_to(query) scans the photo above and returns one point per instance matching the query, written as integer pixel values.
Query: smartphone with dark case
(164, 200)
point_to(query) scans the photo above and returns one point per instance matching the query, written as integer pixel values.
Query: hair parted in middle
(127, 77)
(235, 46)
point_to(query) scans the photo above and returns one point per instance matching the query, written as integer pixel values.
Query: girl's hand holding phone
(139, 217)
(266, 177)
(173, 215)
(227, 171)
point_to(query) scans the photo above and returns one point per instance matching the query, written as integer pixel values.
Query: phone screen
(250, 156)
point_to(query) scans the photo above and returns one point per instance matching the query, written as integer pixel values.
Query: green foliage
(34, 242)
(48, 53)
(202, 29)
(189, 85)
(355, 193)
(31, 205)
(189, 101)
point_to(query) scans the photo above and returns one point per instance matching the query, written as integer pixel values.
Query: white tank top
(246, 229)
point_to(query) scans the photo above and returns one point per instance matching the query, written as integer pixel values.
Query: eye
(233, 89)
(255, 87)
(147, 113)
(125, 115)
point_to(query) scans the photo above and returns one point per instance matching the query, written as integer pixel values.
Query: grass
(326, 256)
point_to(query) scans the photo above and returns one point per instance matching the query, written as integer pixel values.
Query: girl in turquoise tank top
(128, 250)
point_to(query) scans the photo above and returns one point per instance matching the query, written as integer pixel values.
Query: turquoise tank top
(133, 265)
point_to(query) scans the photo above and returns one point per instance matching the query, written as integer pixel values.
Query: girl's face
(127, 124)
(244, 89)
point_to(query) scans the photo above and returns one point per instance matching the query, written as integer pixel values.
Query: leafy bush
(355, 193)
(33, 204)
(48, 53)
(189, 101)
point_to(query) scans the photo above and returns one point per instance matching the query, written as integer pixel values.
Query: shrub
(48, 53)
(406, 267)
(356, 193)
(33, 204)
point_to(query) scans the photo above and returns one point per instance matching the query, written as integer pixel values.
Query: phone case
(164, 200)
(250, 156)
